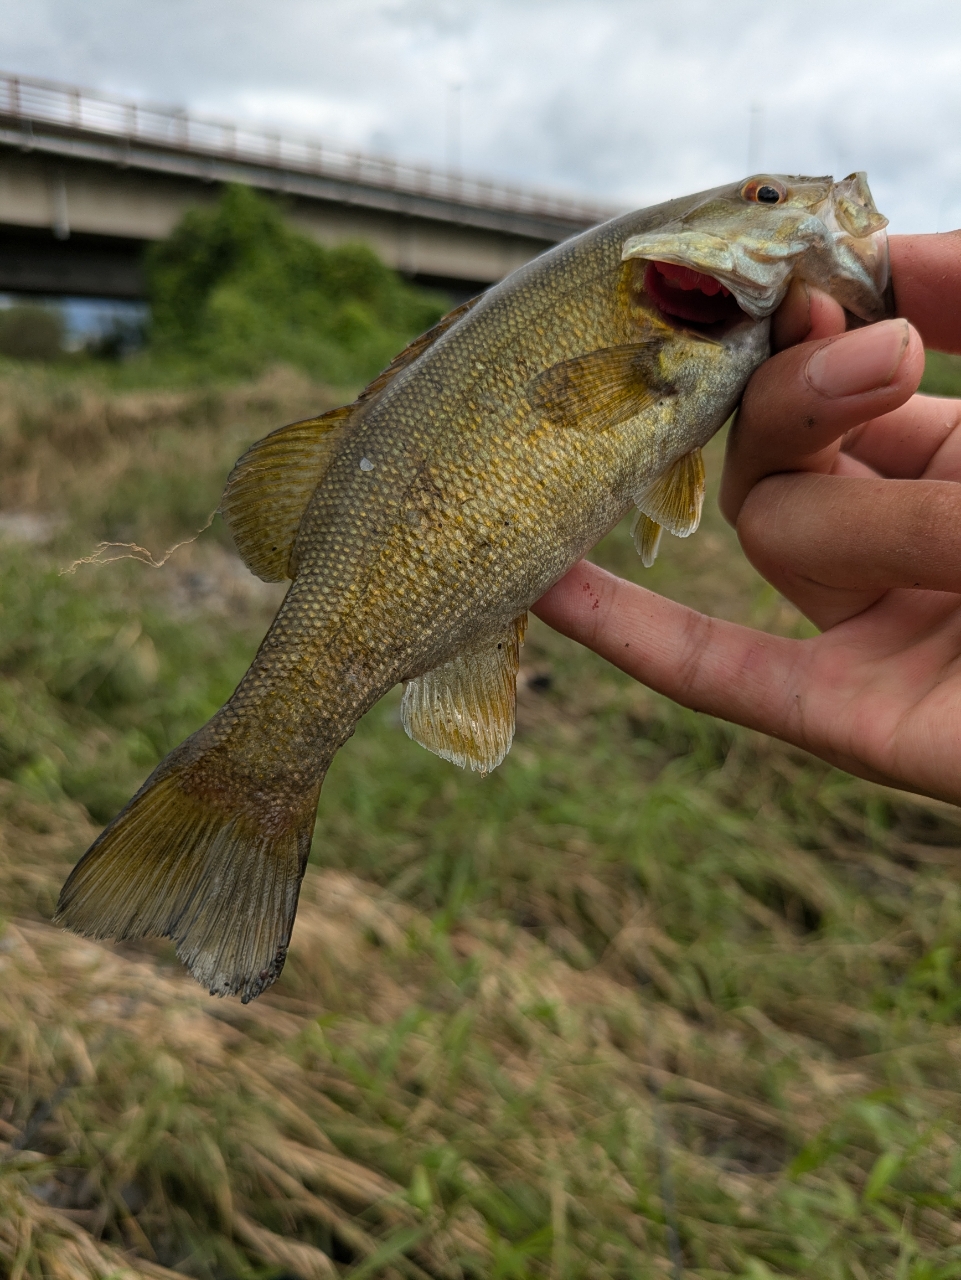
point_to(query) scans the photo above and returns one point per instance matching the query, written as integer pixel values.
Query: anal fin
(464, 709)
(673, 501)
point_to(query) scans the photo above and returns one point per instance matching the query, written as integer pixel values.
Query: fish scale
(419, 525)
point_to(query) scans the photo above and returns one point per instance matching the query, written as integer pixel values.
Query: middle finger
(834, 545)
(920, 439)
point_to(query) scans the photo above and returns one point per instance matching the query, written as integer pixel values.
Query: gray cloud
(625, 100)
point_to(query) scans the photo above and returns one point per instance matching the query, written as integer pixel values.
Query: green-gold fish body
(420, 523)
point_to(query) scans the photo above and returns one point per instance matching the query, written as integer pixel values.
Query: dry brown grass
(650, 952)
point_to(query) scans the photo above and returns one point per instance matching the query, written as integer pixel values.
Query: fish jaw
(828, 233)
(756, 272)
(858, 272)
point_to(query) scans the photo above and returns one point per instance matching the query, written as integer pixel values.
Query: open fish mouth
(690, 296)
(732, 255)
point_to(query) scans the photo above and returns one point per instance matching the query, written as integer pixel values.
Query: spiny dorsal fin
(269, 488)
(463, 711)
(647, 538)
(602, 388)
(415, 349)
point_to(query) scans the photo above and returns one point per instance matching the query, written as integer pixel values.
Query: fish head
(731, 253)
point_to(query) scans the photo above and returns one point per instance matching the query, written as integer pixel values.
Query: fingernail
(859, 361)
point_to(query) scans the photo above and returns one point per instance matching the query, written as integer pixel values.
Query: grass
(658, 998)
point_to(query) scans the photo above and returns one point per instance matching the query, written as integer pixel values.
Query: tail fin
(176, 863)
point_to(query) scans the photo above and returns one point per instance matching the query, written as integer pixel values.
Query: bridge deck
(100, 170)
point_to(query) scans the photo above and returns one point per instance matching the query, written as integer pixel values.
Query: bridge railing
(32, 101)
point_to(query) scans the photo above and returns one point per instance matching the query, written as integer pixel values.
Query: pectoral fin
(463, 711)
(269, 488)
(673, 501)
(602, 388)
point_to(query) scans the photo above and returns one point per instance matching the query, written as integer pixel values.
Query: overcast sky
(627, 101)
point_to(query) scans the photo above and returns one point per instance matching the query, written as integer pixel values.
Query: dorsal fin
(271, 484)
(415, 349)
(269, 488)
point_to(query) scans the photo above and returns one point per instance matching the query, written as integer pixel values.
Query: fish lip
(711, 255)
(833, 238)
(691, 309)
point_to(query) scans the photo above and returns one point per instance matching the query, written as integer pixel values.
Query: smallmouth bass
(418, 525)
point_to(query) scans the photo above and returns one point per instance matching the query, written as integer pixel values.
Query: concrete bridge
(86, 180)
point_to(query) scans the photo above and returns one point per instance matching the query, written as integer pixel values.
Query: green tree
(235, 288)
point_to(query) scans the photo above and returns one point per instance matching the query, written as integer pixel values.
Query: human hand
(843, 487)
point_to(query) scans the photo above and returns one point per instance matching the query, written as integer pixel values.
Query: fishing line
(668, 1199)
(663, 1138)
(133, 551)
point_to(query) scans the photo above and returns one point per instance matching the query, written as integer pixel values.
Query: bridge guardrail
(30, 101)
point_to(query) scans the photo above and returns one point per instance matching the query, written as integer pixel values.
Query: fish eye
(764, 191)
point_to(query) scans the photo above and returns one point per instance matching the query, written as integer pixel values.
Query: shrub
(236, 288)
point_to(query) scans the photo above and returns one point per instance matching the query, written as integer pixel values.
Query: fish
(418, 524)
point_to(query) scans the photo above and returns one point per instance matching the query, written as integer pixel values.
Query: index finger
(926, 276)
(799, 404)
